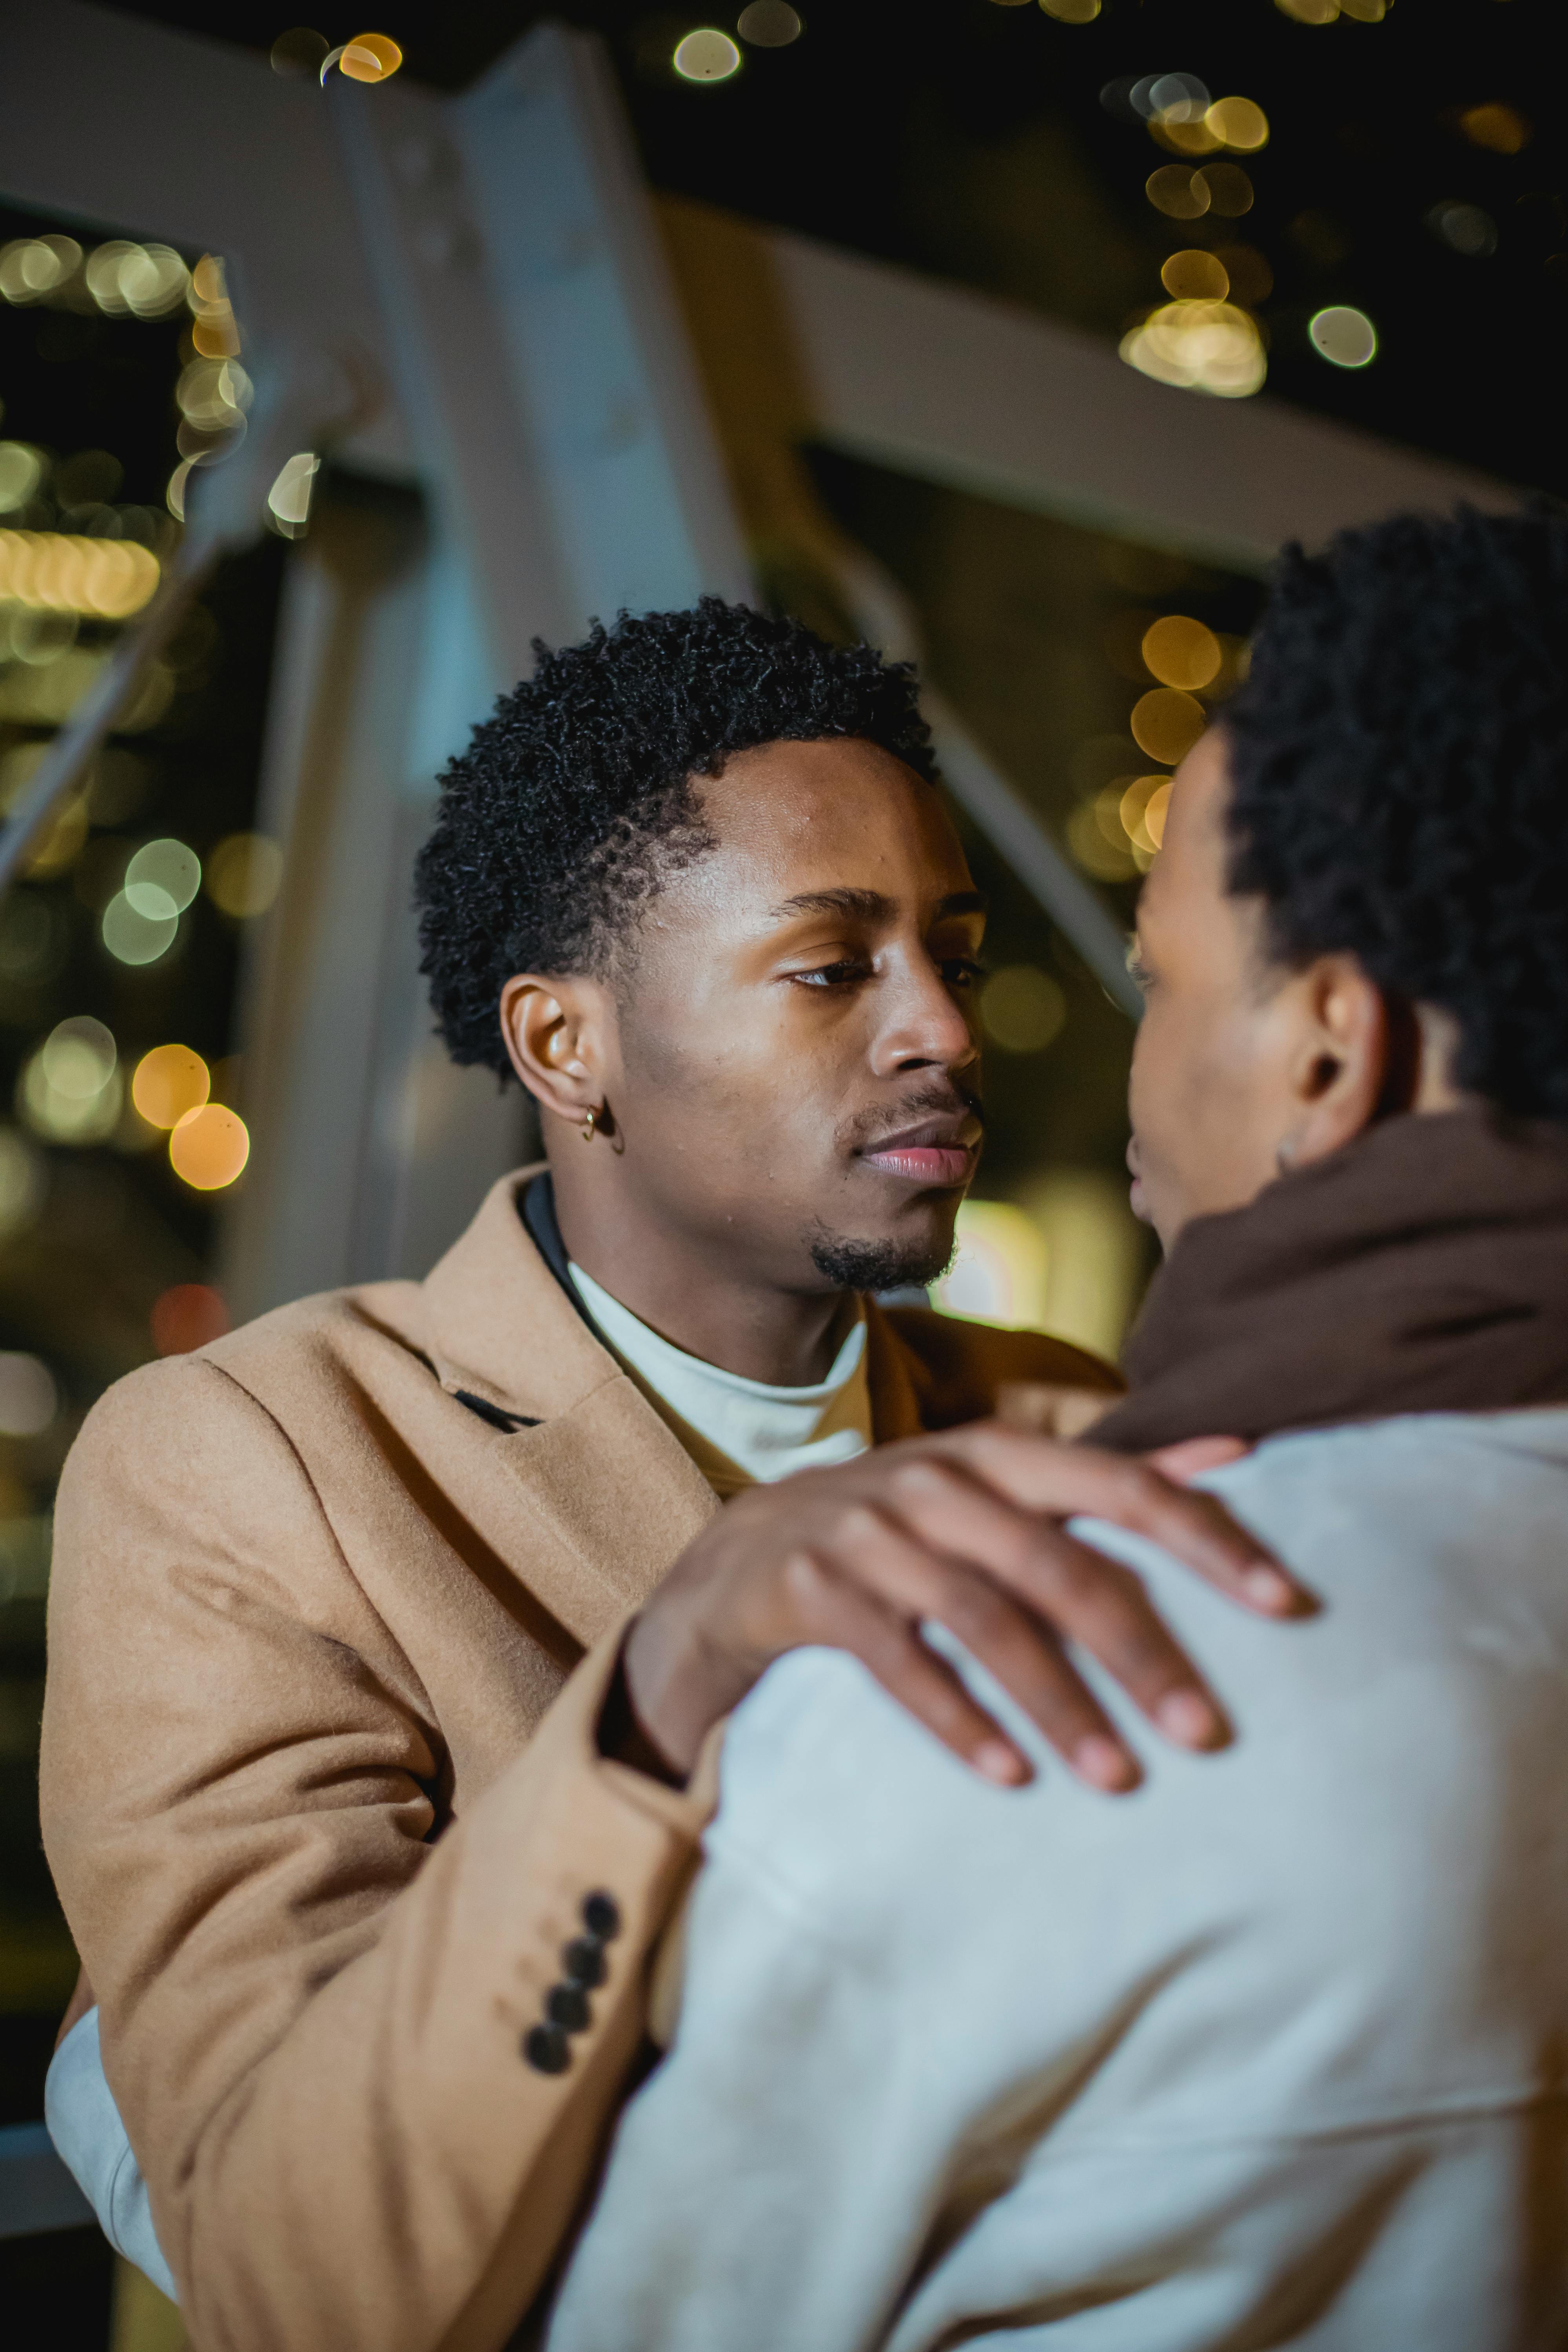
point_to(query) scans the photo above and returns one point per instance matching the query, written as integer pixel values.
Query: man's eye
(832, 975)
(962, 971)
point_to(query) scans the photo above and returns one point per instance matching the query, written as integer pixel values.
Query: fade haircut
(1399, 757)
(576, 800)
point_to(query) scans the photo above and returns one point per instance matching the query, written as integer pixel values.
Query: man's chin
(881, 1262)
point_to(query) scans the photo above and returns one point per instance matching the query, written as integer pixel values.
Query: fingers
(1193, 1456)
(1079, 1593)
(871, 1554)
(1065, 1480)
(889, 1646)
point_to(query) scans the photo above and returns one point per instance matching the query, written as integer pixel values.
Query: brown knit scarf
(1422, 1269)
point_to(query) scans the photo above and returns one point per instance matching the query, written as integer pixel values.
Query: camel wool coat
(336, 1602)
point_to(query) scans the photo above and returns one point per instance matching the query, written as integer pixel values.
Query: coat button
(566, 2005)
(546, 2049)
(584, 1961)
(602, 1916)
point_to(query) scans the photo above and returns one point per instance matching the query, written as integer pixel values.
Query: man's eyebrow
(871, 905)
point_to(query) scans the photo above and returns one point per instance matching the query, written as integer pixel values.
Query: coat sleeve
(312, 2016)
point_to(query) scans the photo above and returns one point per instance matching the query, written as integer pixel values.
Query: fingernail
(1268, 1587)
(1103, 1763)
(1000, 1763)
(1188, 1719)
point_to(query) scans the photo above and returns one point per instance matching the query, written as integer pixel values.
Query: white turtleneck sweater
(742, 1433)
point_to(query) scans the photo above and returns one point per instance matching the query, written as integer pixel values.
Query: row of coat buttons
(566, 2009)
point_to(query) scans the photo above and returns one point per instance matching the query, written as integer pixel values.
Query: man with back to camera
(1272, 2052)
(366, 1809)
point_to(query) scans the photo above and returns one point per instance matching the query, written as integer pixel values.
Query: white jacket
(1273, 2052)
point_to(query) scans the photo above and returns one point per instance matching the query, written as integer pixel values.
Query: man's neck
(693, 1293)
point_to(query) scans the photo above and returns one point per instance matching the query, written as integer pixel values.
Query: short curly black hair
(1399, 761)
(575, 800)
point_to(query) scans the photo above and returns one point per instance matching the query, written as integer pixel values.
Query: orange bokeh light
(209, 1147)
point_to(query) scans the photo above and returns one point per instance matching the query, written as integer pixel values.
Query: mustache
(944, 1101)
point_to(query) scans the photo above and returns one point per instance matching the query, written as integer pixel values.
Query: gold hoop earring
(590, 1125)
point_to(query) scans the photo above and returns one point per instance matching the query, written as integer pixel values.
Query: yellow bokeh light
(1072, 11)
(243, 875)
(1195, 276)
(61, 571)
(1228, 189)
(1181, 652)
(706, 54)
(170, 1082)
(1238, 122)
(1166, 723)
(1310, 12)
(210, 1148)
(1186, 135)
(1023, 1008)
(70, 1090)
(1502, 128)
(1140, 814)
(1096, 837)
(368, 56)
(998, 1274)
(1211, 347)
(1178, 193)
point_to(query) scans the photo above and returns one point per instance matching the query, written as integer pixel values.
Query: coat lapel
(596, 1498)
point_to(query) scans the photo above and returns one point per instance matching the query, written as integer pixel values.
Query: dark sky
(969, 138)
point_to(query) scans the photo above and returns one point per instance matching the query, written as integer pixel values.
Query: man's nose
(925, 1027)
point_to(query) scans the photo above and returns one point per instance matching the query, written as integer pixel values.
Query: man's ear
(556, 1036)
(1340, 1067)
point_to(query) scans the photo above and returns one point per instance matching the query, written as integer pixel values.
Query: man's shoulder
(291, 1362)
(957, 1367)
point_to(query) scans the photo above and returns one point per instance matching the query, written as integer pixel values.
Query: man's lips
(937, 1153)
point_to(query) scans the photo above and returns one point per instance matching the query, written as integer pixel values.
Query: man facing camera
(1272, 2052)
(366, 1806)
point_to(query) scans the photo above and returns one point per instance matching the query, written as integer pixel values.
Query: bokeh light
(209, 1147)
(1023, 1008)
(1502, 128)
(299, 51)
(186, 1316)
(21, 472)
(1345, 337)
(1464, 228)
(1238, 122)
(368, 56)
(70, 1090)
(1211, 347)
(1195, 276)
(31, 267)
(1072, 11)
(162, 878)
(29, 1397)
(770, 24)
(170, 1081)
(1181, 652)
(133, 938)
(1166, 723)
(243, 875)
(1140, 814)
(706, 54)
(1228, 189)
(62, 572)
(289, 499)
(1177, 191)
(998, 1271)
